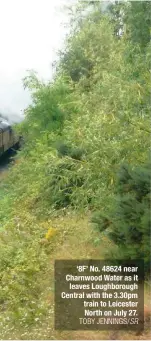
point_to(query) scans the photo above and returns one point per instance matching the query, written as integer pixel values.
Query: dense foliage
(80, 130)
(129, 221)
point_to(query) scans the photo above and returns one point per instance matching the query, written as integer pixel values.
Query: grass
(75, 239)
(66, 235)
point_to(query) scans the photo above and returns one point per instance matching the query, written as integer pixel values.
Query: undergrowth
(81, 127)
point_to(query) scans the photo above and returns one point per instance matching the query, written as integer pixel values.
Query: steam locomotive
(8, 138)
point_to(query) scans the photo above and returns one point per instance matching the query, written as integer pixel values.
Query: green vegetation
(85, 160)
(129, 221)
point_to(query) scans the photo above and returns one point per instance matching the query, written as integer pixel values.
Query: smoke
(13, 101)
(12, 117)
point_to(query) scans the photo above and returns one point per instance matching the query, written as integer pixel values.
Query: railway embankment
(81, 185)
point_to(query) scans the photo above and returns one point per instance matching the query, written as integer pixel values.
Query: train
(8, 138)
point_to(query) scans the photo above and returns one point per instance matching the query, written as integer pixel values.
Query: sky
(31, 32)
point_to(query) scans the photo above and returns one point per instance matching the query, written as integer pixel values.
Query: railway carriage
(8, 138)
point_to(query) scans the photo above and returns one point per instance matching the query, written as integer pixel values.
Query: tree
(138, 22)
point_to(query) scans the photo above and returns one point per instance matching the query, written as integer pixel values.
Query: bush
(61, 182)
(64, 149)
(129, 221)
